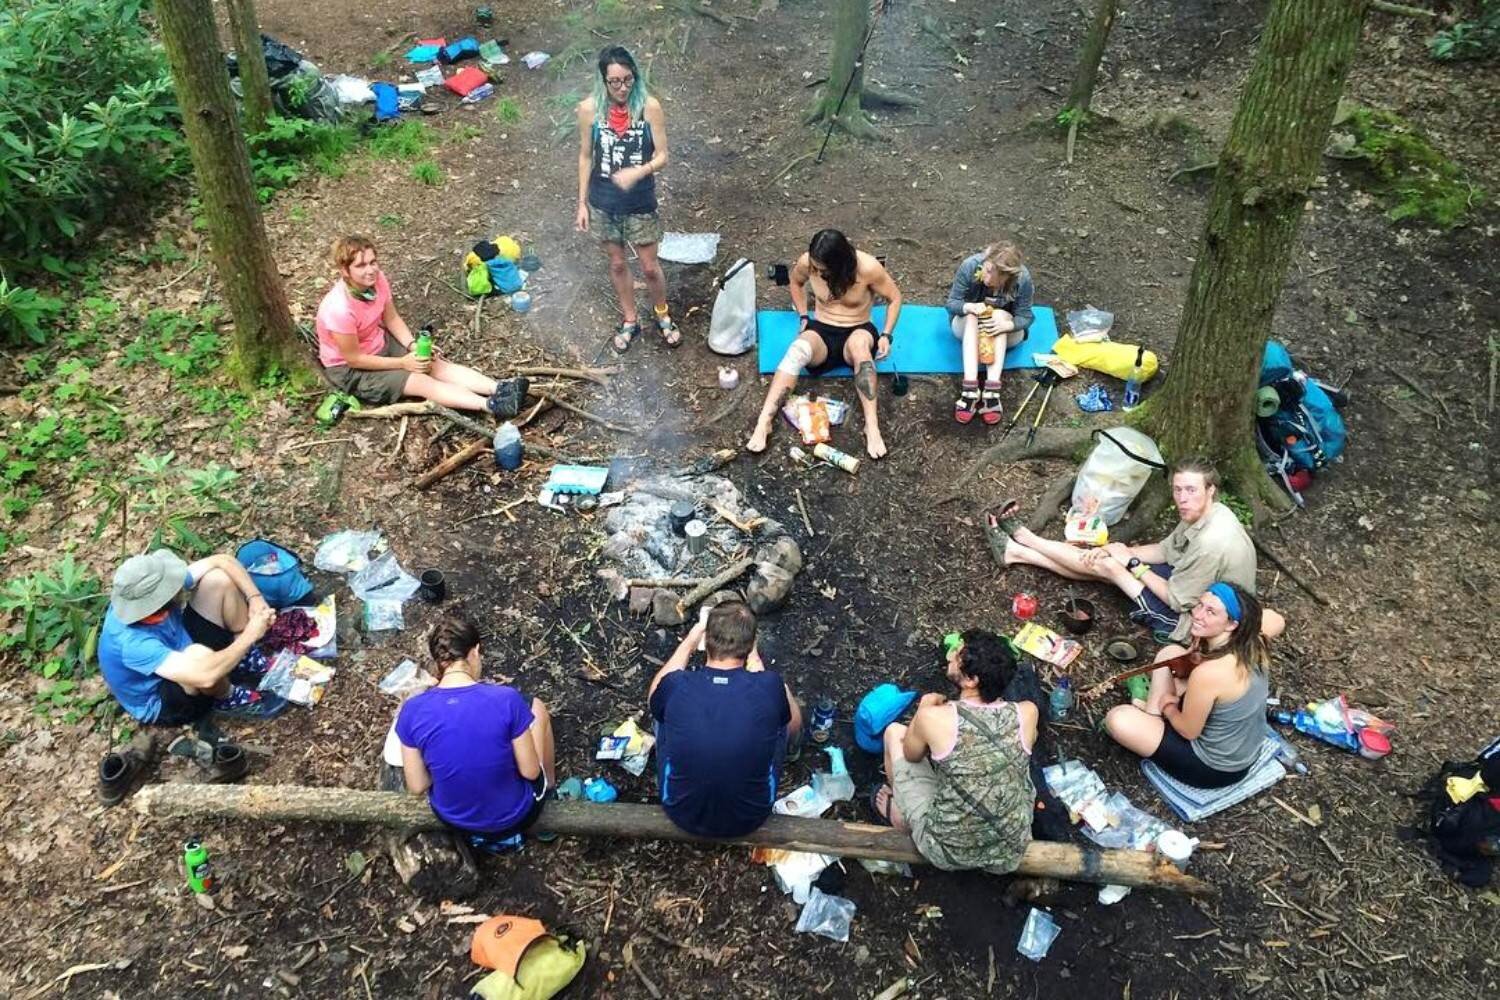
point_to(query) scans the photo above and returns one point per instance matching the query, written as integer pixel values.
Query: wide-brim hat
(144, 584)
(879, 709)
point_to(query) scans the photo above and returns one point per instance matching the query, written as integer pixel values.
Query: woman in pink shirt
(365, 347)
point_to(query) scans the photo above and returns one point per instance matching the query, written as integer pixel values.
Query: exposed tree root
(875, 97)
(1053, 501)
(1051, 442)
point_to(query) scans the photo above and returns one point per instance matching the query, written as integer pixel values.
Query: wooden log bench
(411, 814)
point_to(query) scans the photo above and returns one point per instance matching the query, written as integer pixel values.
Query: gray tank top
(1232, 736)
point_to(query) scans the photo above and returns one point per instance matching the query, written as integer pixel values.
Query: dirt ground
(1398, 540)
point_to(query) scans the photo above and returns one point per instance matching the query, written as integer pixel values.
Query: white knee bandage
(797, 357)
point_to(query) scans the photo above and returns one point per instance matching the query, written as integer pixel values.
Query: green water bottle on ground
(423, 347)
(200, 876)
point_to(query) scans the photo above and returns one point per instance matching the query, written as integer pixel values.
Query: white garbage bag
(731, 329)
(1115, 472)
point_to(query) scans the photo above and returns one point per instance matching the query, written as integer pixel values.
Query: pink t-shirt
(340, 312)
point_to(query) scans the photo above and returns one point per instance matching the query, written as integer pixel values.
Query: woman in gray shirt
(1205, 731)
(989, 305)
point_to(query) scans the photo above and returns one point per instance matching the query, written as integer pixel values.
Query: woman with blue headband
(1205, 731)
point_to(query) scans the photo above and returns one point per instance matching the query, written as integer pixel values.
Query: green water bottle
(200, 877)
(423, 348)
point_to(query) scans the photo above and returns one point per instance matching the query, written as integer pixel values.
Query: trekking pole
(859, 61)
(1050, 378)
(1024, 403)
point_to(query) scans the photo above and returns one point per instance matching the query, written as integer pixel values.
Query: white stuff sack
(1115, 472)
(731, 329)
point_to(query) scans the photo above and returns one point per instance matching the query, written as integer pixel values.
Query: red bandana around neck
(619, 119)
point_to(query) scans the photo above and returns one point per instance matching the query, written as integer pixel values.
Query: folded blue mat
(1193, 804)
(924, 343)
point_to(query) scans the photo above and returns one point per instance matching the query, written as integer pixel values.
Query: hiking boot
(119, 770)
(508, 398)
(229, 764)
(244, 703)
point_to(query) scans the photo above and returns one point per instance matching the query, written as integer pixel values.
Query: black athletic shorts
(179, 706)
(1175, 756)
(834, 338)
(204, 632)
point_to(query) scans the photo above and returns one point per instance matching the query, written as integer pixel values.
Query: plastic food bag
(345, 551)
(1090, 324)
(383, 615)
(731, 328)
(384, 580)
(1115, 472)
(827, 915)
(1038, 934)
(405, 679)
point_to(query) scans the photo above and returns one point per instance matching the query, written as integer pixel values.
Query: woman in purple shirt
(481, 754)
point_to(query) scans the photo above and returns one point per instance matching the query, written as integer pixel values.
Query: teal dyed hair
(617, 55)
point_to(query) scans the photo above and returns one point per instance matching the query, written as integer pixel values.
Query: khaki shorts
(375, 387)
(633, 229)
(914, 787)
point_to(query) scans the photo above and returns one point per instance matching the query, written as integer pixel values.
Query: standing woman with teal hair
(622, 145)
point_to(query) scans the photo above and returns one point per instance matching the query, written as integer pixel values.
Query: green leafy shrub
(1476, 39)
(24, 312)
(1414, 178)
(56, 617)
(282, 154)
(86, 115)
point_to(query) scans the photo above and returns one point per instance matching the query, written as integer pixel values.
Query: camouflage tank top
(981, 814)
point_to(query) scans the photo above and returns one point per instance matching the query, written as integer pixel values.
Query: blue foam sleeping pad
(924, 343)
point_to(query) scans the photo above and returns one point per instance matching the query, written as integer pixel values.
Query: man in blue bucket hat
(178, 640)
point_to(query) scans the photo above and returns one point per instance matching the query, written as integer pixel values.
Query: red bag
(466, 80)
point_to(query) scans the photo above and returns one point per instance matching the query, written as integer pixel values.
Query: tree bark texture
(1090, 56)
(263, 332)
(851, 27)
(1260, 188)
(297, 803)
(255, 82)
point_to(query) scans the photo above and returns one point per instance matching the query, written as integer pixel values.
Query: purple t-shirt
(464, 735)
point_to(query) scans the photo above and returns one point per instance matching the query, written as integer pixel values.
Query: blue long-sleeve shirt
(969, 286)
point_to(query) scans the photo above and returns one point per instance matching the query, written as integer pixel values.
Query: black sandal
(876, 816)
(622, 339)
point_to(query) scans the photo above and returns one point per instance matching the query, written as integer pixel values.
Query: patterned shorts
(622, 229)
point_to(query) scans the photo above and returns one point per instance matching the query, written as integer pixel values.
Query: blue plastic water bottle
(1133, 383)
(599, 790)
(508, 447)
(1061, 701)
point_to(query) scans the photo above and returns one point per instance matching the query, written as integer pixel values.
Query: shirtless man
(845, 282)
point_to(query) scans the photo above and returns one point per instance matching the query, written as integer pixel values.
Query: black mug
(899, 384)
(433, 587)
(778, 274)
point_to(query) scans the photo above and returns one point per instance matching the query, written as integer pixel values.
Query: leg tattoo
(864, 379)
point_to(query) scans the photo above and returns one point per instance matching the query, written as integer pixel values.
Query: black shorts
(494, 842)
(180, 706)
(835, 338)
(204, 632)
(1175, 756)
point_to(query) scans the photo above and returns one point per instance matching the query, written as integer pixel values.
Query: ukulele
(1180, 665)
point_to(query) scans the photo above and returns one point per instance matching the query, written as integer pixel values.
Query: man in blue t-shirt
(722, 731)
(177, 636)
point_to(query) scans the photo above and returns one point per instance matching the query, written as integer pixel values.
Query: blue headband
(1225, 594)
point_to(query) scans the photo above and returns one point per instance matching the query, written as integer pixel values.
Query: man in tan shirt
(1165, 579)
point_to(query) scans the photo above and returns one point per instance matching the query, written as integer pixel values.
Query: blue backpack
(1305, 430)
(277, 572)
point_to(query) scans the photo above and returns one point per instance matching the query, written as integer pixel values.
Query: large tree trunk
(263, 331)
(1089, 58)
(618, 819)
(1260, 187)
(255, 83)
(846, 73)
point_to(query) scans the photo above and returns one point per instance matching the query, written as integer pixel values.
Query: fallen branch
(316, 443)
(1400, 9)
(427, 408)
(585, 414)
(1196, 169)
(497, 512)
(791, 165)
(453, 463)
(669, 581)
(595, 375)
(1276, 561)
(802, 509)
(67, 975)
(296, 803)
(748, 527)
(712, 584)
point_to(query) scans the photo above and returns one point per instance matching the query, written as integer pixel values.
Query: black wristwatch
(1132, 563)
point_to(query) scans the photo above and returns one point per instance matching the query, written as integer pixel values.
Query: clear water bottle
(1061, 701)
(508, 447)
(1285, 752)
